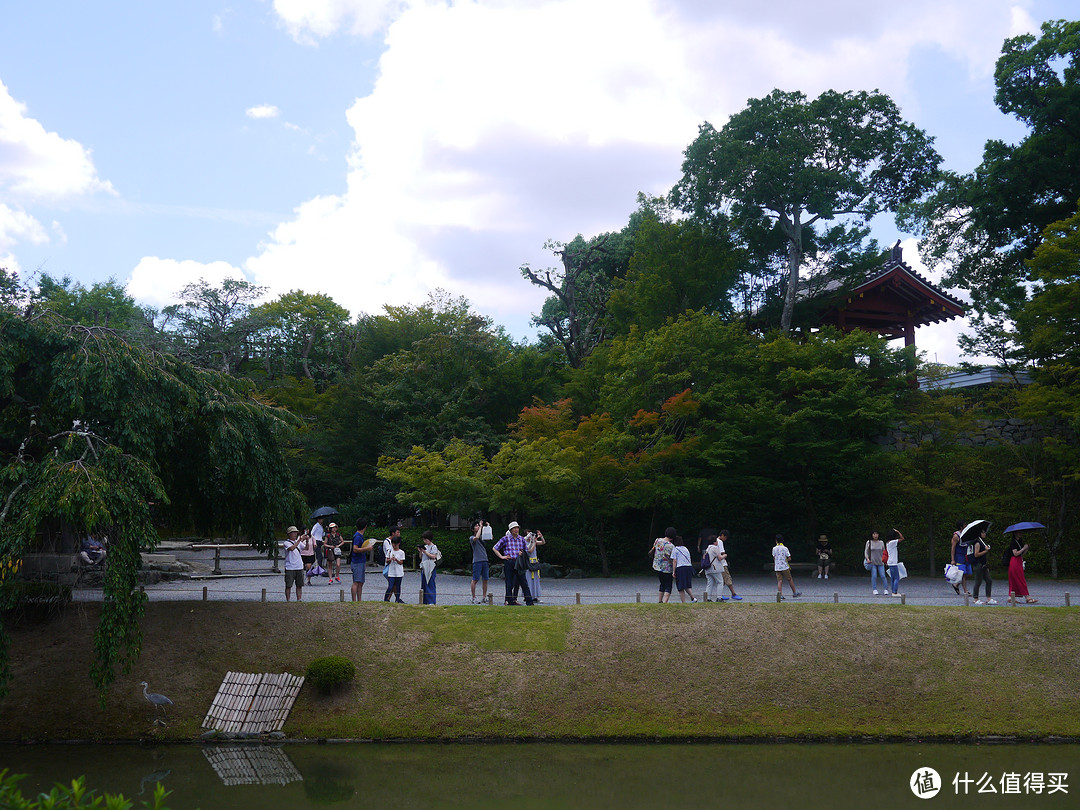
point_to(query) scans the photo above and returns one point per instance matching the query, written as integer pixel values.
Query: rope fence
(239, 593)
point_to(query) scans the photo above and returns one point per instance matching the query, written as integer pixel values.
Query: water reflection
(415, 775)
(251, 765)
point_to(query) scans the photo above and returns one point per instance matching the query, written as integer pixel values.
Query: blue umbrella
(1022, 527)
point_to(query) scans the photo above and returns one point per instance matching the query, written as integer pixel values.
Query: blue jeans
(894, 573)
(877, 571)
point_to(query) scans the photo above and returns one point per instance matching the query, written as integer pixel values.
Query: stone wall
(986, 433)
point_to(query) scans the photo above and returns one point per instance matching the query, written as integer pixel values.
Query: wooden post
(1067, 599)
(903, 599)
(217, 562)
(342, 594)
(836, 597)
(1012, 599)
(419, 601)
(578, 597)
(491, 599)
(967, 597)
(204, 593)
(639, 597)
(779, 597)
(264, 594)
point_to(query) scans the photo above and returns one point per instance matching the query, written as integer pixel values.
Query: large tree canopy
(794, 163)
(100, 435)
(983, 226)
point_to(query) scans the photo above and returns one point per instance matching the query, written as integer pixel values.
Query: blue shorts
(480, 570)
(359, 572)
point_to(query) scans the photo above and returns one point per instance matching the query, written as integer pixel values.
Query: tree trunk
(793, 231)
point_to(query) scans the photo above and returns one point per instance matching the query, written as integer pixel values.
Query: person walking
(782, 567)
(294, 566)
(684, 570)
(958, 556)
(1017, 579)
(980, 568)
(307, 554)
(662, 551)
(429, 557)
(480, 563)
(721, 543)
(874, 558)
(713, 567)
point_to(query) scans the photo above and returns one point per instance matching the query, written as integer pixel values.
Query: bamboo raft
(252, 702)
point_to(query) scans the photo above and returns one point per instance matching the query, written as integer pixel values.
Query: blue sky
(376, 150)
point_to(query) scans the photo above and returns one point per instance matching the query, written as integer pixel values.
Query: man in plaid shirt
(508, 549)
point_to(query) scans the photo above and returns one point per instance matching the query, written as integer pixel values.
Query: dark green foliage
(104, 436)
(330, 672)
(70, 797)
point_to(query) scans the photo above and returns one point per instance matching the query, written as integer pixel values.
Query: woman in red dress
(1017, 580)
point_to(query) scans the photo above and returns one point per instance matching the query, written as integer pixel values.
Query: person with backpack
(713, 566)
(387, 547)
(980, 568)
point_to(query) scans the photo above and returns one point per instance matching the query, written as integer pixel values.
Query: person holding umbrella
(318, 531)
(980, 567)
(1015, 555)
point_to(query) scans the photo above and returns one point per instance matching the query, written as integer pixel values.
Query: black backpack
(379, 554)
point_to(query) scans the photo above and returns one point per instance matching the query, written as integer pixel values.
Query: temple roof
(891, 303)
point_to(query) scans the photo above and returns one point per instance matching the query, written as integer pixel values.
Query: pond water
(537, 775)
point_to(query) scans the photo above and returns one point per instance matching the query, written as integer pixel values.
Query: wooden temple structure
(891, 303)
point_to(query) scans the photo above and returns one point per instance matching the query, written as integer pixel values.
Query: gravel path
(246, 579)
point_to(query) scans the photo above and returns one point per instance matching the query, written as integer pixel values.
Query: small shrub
(330, 672)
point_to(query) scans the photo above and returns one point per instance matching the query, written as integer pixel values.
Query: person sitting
(92, 551)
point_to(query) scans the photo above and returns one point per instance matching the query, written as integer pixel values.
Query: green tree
(214, 324)
(104, 303)
(101, 435)
(302, 335)
(983, 226)
(675, 267)
(796, 163)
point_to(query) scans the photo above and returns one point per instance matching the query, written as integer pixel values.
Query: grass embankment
(616, 671)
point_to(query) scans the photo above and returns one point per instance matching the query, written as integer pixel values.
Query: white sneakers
(875, 592)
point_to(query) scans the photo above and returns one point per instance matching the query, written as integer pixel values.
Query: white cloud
(262, 111)
(18, 226)
(307, 19)
(38, 164)
(156, 281)
(494, 126)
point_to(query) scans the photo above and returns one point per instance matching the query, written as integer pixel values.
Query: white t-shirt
(780, 557)
(396, 560)
(682, 557)
(317, 532)
(894, 555)
(720, 550)
(293, 562)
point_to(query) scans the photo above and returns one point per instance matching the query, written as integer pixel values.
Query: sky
(378, 150)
